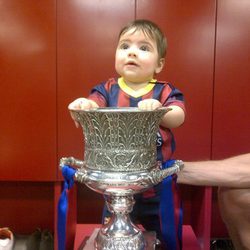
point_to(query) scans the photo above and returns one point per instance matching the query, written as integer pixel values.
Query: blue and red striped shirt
(115, 93)
(166, 205)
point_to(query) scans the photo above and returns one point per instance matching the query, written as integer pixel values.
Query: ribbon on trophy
(169, 203)
(62, 208)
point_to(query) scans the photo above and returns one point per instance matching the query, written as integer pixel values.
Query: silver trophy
(120, 160)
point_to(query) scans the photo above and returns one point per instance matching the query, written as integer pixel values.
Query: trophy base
(152, 243)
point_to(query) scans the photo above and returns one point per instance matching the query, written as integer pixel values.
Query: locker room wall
(54, 51)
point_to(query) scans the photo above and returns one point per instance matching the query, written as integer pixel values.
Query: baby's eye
(124, 46)
(144, 48)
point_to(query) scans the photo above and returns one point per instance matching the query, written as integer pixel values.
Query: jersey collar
(136, 93)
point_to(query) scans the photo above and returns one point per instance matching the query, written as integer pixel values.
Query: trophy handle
(157, 175)
(81, 173)
(71, 161)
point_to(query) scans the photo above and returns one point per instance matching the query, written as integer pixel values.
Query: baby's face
(137, 58)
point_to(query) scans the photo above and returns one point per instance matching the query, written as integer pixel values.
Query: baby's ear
(160, 65)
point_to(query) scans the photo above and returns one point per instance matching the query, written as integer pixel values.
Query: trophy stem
(120, 160)
(120, 232)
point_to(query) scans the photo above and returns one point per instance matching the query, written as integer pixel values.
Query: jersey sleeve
(99, 95)
(172, 96)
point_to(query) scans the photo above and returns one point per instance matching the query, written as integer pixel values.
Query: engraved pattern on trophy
(119, 161)
(117, 141)
(119, 243)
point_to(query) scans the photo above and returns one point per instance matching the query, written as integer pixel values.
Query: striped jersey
(116, 93)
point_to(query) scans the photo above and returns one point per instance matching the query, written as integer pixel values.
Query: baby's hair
(151, 30)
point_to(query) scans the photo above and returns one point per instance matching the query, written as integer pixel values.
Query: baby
(140, 55)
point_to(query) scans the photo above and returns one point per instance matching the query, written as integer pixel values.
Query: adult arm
(231, 172)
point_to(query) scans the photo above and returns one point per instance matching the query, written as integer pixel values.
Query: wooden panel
(231, 93)
(91, 211)
(26, 206)
(28, 90)
(190, 30)
(232, 76)
(87, 37)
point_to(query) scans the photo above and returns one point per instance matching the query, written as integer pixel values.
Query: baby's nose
(132, 52)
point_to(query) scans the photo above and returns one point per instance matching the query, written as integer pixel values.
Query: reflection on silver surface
(119, 161)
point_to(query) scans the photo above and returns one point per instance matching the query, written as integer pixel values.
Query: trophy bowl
(120, 160)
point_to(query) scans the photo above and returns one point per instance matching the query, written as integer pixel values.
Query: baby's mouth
(131, 64)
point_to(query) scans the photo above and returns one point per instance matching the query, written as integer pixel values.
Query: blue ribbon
(167, 213)
(166, 210)
(62, 208)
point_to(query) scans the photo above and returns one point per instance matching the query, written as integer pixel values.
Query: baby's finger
(77, 124)
(94, 104)
(142, 105)
(155, 105)
(84, 105)
(75, 104)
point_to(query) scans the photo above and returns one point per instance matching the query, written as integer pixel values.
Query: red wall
(85, 56)
(231, 105)
(189, 27)
(231, 83)
(28, 90)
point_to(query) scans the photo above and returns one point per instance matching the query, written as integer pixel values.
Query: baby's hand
(149, 104)
(81, 103)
